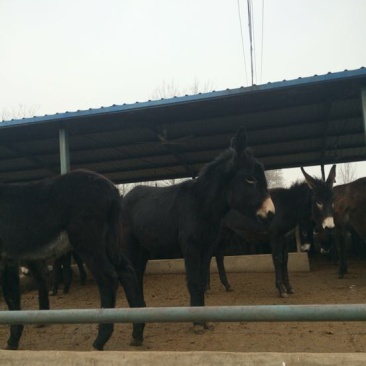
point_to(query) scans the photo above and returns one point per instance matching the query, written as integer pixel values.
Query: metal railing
(255, 313)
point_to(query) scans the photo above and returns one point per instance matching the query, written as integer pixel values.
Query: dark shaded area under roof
(307, 121)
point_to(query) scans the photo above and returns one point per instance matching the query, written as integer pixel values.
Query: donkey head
(322, 199)
(248, 190)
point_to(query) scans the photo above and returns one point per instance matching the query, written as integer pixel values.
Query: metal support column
(64, 151)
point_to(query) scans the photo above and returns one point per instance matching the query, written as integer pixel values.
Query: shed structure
(308, 121)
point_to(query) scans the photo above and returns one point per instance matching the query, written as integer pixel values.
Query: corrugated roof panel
(305, 121)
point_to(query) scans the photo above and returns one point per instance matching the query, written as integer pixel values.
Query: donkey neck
(212, 198)
(212, 183)
(300, 196)
(292, 203)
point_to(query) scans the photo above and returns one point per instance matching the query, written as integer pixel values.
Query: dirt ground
(319, 286)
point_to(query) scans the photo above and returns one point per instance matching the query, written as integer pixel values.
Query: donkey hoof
(10, 347)
(198, 329)
(208, 326)
(98, 347)
(53, 293)
(229, 289)
(282, 290)
(136, 342)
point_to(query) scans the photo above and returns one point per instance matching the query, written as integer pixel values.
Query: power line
(252, 41)
(255, 78)
(260, 80)
(242, 42)
(250, 38)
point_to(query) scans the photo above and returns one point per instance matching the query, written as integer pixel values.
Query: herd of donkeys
(82, 212)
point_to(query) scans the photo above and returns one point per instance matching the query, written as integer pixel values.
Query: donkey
(310, 199)
(349, 215)
(61, 270)
(246, 228)
(187, 216)
(308, 203)
(80, 210)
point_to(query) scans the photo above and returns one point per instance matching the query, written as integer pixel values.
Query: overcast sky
(68, 55)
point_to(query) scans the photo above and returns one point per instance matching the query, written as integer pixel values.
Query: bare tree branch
(18, 112)
(346, 173)
(172, 89)
(274, 178)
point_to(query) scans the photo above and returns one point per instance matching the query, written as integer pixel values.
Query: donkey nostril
(270, 215)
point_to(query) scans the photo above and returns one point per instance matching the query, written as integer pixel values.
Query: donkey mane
(212, 181)
(210, 170)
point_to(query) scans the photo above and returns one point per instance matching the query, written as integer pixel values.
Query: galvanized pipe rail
(255, 313)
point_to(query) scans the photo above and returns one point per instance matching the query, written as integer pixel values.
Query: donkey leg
(285, 277)
(56, 276)
(67, 272)
(106, 278)
(11, 292)
(38, 271)
(80, 264)
(277, 257)
(132, 280)
(208, 278)
(37, 268)
(343, 267)
(140, 268)
(128, 279)
(205, 273)
(107, 281)
(195, 282)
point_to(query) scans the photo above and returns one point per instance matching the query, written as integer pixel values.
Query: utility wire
(250, 40)
(242, 43)
(260, 80)
(255, 77)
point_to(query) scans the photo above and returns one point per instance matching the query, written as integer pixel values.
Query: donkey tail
(114, 248)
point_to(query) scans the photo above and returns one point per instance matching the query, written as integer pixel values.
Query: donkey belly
(58, 246)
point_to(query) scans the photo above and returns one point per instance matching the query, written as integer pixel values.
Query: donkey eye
(319, 204)
(251, 180)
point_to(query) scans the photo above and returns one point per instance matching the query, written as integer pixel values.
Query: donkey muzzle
(267, 210)
(328, 223)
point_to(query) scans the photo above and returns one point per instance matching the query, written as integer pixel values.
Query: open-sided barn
(307, 121)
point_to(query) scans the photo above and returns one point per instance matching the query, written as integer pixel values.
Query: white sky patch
(71, 55)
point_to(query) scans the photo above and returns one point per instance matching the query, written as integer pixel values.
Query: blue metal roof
(191, 98)
(305, 121)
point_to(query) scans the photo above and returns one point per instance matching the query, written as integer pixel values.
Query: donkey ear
(331, 177)
(309, 179)
(239, 142)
